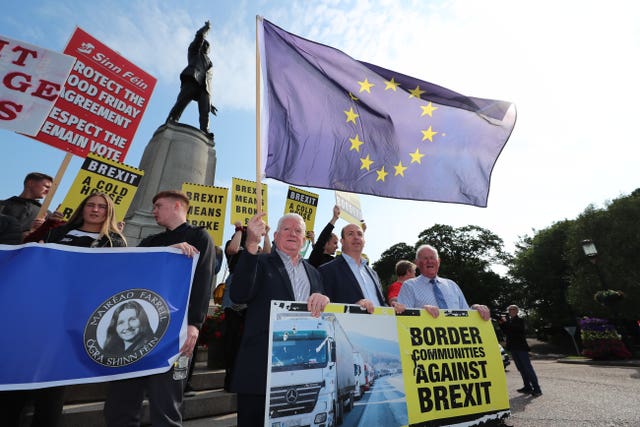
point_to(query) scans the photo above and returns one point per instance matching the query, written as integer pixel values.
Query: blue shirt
(418, 292)
(364, 278)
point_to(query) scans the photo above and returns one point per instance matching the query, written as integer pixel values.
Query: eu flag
(337, 123)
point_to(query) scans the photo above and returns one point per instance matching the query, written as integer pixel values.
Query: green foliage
(542, 273)
(386, 265)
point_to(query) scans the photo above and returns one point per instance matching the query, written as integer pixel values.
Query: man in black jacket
(257, 280)
(514, 330)
(25, 207)
(124, 398)
(348, 279)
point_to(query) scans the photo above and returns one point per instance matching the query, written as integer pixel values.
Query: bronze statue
(195, 81)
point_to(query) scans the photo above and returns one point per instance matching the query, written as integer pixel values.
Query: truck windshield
(298, 350)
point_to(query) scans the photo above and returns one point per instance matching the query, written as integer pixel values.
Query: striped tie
(438, 294)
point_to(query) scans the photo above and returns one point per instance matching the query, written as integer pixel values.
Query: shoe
(525, 390)
(536, 393)
(189, 391)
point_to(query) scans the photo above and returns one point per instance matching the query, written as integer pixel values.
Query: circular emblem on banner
(126, 327)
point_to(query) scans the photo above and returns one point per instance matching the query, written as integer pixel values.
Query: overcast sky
(571, 68)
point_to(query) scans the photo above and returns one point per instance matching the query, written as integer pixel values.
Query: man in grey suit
(348, 279)
(257, 280)
(196, 81)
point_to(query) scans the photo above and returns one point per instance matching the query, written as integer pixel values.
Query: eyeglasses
(95, 205)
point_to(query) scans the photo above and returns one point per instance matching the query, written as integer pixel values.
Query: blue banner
(76, 315)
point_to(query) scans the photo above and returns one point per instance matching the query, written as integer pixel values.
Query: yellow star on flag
(399, 169)
(351, 115)
(353, 97)
(427, 110)
(428, 134)
(381, 174)
(355, 143)
(416, 157)
(366, 163)
(391, 84)
(365, 86)
(415, 93)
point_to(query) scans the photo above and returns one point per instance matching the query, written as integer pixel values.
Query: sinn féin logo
(126, 327)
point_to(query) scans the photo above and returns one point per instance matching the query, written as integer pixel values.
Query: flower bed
(601, 341)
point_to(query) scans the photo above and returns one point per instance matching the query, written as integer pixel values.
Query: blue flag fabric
(337, 123)
(76, 315)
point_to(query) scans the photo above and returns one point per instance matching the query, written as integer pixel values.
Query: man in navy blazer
(348, 279)
(257, 280)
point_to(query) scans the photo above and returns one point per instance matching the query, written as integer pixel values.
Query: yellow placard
(244, 200)
(98, 174)
(304, 203)
(349, 205)
(207, 208)
(451, 366)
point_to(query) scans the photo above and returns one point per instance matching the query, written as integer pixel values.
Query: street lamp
(589, 249)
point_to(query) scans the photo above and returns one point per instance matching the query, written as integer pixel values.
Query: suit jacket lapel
(348, 273)
(376, 283)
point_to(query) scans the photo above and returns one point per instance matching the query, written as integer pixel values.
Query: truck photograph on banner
(350, 368)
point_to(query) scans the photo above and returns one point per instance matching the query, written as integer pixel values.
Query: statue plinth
(177, 153)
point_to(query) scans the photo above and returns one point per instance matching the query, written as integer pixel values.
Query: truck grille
(293, 399)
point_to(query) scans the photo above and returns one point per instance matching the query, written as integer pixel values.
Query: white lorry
(312, 380)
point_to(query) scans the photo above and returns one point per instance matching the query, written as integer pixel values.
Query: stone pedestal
(176, 154)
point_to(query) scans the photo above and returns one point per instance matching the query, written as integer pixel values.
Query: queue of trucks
(316, 374)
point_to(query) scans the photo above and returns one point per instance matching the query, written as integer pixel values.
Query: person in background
(404, 270)
(326, 245)
(514, 329)
(9, 230)
(432, 292)
(25, 207)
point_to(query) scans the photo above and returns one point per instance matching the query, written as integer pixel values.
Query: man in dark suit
(257, 280)
(348, 279)
(195, 81)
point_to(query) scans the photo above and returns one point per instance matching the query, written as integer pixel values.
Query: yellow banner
(304, 203)
(451, 366)
(98, 174)
(207, 208)
(244, 200)
(383, 369)
(349, 205)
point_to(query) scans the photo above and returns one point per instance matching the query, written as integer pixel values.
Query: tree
(386, 265)
(541, 275)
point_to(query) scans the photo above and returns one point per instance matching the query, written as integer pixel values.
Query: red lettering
(21, 86)
(24, 52)
(47, 90)
(9, 110)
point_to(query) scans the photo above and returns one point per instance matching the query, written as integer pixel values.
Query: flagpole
(54, 185)
(258, 157)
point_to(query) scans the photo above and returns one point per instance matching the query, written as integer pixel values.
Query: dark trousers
(251, 410)
(124, 401)
(234, 325)
(191, 91)
(523, 363)
(47, 406)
